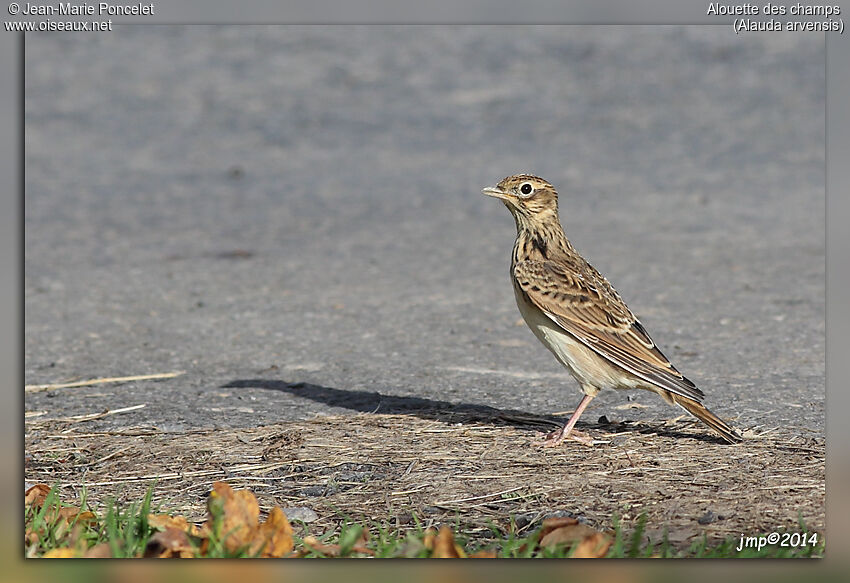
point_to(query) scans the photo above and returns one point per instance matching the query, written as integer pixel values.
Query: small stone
(707, 518)
(313, 491)
(560, 514)
(523, 520)
(404, 518)
(301, 513)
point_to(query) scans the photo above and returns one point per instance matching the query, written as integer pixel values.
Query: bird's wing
(582, 302)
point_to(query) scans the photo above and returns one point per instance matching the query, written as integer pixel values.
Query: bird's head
(526, 196)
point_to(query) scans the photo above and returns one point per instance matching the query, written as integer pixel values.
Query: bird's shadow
(444, 411)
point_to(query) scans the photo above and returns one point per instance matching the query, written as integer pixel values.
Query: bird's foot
(557, 437)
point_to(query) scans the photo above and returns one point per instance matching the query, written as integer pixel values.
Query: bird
(579, 316)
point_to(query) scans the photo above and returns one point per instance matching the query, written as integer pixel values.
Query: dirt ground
(472, 470)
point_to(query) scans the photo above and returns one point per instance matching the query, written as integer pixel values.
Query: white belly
(590, 370)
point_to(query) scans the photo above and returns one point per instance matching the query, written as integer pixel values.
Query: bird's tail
(699, 411)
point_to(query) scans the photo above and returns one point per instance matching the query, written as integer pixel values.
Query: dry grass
(451, 468)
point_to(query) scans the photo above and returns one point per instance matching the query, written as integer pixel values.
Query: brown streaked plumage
(580, 317)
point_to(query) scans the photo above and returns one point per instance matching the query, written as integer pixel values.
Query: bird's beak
(495, 192)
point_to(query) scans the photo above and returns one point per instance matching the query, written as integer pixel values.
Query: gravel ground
(262, 207)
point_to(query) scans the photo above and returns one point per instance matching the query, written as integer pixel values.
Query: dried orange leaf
(586, 543)
(594, 546)
(274, 536)
(240, 513)
(164, 521)
(35, 495)
(551, 524)
(169, 543)
(488, 554)
(61, 528)
(445, 546)
(31, 536)
(71, 513)
(313, 544)
(100, 551)
(428, 539)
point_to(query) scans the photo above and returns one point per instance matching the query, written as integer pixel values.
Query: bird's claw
(556, 438)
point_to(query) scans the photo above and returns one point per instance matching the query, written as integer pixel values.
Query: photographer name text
(72, 9)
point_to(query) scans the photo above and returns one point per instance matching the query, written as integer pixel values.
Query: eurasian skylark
(579, 316)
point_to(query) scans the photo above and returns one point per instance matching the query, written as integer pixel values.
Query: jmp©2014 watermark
(785, 539)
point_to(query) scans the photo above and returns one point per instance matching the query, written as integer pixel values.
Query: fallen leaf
(31, 536)
(239, 512)
(594, 546)
(274, 536)
(549, 525)
(428, 538)
(71, 513)
(36, 495)
(164, 521)
(170, 543)
(445, 546)
(488, 554)
(61, 519)
(99, 551)
(67, 518)
(553, 523)
(585, 542)
(312, 543)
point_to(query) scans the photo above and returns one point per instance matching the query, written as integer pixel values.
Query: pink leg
(557, 437)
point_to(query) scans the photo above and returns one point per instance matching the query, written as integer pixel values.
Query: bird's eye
(526, 189)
